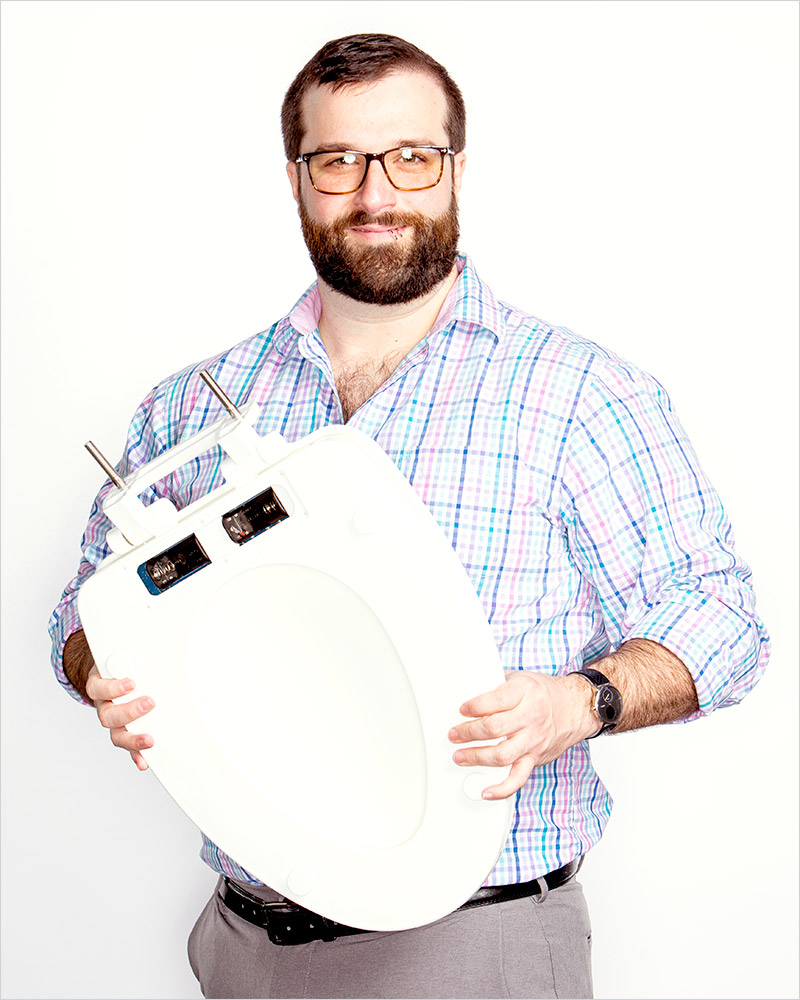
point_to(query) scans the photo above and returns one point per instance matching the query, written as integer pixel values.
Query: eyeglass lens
(411, 168)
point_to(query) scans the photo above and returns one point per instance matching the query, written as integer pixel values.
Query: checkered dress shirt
(562, 478)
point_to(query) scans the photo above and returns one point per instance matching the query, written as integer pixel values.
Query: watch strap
(594, 676)
(599, 681)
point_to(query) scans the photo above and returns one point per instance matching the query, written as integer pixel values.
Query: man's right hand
(101, 690)
(84, 676)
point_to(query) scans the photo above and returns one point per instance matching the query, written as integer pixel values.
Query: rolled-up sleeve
(646, 526)
(142, 445)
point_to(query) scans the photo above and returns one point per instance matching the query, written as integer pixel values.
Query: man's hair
(362, 59)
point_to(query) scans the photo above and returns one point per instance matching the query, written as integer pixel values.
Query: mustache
(389, 219)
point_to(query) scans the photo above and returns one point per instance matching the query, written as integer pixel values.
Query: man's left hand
(536, 717)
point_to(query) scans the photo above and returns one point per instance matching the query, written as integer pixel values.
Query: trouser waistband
(288, 923)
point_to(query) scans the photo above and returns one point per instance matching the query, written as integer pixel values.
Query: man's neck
(359, 332)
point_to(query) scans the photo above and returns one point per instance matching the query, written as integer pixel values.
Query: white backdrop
(632, 174)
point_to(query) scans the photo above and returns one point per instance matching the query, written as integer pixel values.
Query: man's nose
(376, 194)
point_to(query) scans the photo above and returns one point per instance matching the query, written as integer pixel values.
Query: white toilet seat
(305, 681)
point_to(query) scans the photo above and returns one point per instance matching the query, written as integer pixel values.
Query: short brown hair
(362, 58)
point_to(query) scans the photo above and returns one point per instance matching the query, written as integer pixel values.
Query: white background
(632, 174)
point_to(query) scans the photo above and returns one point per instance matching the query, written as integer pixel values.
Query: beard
(382, 274)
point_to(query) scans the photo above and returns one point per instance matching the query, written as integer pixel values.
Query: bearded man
(560, 474)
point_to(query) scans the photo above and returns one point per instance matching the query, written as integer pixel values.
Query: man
(563, 480)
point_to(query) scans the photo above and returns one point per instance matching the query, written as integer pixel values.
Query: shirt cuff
(63, 623)
(724, 648)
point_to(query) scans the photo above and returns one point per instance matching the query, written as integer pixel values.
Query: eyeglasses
(408, 168)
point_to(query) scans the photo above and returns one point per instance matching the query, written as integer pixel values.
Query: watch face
(609, 704)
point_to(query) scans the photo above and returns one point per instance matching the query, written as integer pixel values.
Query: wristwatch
(608, 701)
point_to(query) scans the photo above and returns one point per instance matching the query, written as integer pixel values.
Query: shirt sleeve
(646, 526)
(143, 443)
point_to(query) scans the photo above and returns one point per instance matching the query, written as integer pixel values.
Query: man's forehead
(404, 98)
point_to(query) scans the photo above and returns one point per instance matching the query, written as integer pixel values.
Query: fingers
(490, 727)
(139, 761)
(518, 720)
(502, 699)
(106, 688)
(492, 715)
(120, 737)
(520, 771)
(132, 742)
(497, 755)
(115, 717)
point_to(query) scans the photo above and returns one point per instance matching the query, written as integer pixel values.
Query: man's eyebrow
(335, 147)
(338, 147)
(414, 142)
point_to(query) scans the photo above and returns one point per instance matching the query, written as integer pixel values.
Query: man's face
(378, 244)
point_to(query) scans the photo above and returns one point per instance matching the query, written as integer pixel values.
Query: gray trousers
(517, 949)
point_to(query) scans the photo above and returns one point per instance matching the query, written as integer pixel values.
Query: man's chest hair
(357, 381)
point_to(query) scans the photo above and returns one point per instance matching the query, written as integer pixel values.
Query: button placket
(312, 349)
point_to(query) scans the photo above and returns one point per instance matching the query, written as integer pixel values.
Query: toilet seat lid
(305, 683)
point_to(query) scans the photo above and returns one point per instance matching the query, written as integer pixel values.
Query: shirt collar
(470, 305)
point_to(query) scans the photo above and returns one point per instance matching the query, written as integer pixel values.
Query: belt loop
(544, 888)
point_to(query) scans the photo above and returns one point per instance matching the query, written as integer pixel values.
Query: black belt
(287, 923)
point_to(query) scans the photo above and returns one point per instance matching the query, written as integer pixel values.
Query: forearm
(655, 685)
(78, 662)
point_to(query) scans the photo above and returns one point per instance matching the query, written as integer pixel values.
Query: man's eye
(411, 157)
(339, 160)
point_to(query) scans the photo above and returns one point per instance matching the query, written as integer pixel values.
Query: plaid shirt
(564, 482)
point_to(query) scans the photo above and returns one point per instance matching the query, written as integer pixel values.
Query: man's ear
(294, 180)
(459, 162)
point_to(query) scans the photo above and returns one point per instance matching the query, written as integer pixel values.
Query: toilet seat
(305, 679)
